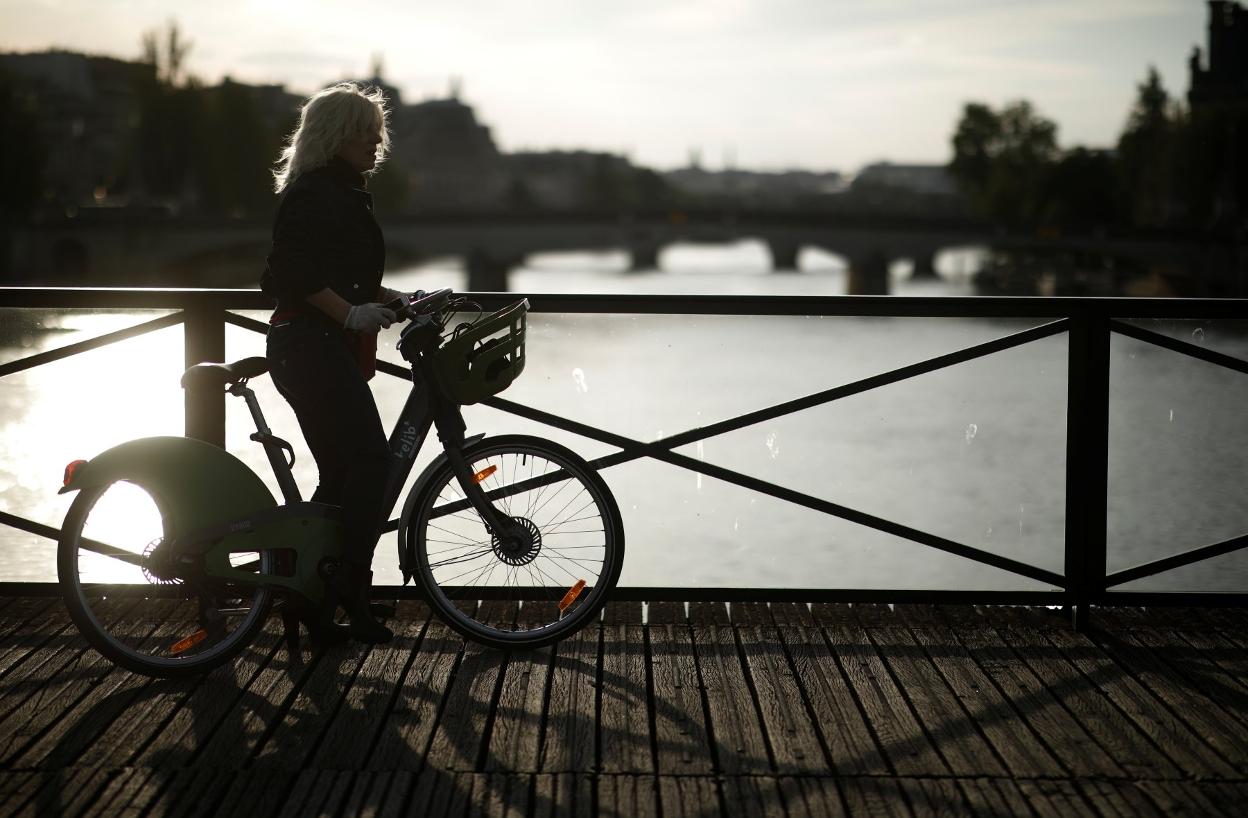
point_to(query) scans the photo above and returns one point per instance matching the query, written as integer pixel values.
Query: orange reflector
(571, 595)
(71, 470)
(183, 645)
(484, 473)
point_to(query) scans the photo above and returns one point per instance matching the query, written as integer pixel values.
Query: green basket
(484, 360)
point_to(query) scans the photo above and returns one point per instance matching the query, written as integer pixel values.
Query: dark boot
(349, 588)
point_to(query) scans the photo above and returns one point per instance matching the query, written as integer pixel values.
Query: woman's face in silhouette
(360, 151)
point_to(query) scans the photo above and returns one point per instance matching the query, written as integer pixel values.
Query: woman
(325, 269)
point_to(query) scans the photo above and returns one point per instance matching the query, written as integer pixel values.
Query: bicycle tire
(105, 611)
(541, 577)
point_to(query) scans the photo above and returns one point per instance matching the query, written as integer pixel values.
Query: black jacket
(325, 235)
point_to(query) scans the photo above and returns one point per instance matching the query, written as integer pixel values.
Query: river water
(974, 453)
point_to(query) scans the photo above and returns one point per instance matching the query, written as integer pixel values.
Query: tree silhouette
(1002, 161)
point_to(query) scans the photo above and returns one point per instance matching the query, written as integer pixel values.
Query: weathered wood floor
(777, 710)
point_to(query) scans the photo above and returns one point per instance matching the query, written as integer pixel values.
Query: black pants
(317, 373)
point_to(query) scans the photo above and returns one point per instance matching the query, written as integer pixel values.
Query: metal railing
(1088, 323)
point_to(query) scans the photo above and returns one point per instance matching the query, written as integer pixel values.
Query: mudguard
(195, 484)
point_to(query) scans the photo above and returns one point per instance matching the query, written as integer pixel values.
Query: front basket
(484, 360)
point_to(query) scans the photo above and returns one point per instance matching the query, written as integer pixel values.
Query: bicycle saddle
(218, 376)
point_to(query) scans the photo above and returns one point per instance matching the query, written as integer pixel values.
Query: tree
(1149, 155)
(169, 115)
(1002, 161)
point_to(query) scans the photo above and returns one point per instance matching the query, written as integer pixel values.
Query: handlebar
(420, 303)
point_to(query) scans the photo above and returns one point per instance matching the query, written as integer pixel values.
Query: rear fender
(195, 484)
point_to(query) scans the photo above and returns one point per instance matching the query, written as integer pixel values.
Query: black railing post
(1087, 463)
(205, 341)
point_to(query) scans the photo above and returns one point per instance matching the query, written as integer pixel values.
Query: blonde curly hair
(327, 120)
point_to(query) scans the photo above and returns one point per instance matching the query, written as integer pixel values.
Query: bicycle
(515, 519)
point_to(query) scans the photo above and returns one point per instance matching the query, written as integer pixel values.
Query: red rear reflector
(71, 470)
(183, 645)
(484, 473)
(571, 595)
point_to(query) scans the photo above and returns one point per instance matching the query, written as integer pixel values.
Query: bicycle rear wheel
(541, 585)
(128, 597)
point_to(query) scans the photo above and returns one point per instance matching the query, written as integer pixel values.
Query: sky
(754, 84)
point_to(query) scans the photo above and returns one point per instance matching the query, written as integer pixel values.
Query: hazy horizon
(788, 84)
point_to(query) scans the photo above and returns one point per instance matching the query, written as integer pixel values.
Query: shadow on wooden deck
(761, 710)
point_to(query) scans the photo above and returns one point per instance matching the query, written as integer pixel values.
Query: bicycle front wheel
(131, 599)
(546, 579)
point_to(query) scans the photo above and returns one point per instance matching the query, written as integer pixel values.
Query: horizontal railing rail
(1088, 322)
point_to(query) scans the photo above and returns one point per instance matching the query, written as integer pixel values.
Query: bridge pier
(924, 266)
(784, 255)
(868, 274)
(643, 257)
(487, 273)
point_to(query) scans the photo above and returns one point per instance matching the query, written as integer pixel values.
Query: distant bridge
(100, 247)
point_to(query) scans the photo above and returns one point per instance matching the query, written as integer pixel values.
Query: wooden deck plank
(210, 705)
(295, 737)
(752, 796)
(987, 798)
(1118, 799)
(1023, 753)
(417, 710)
(515, 743)
(902, 740)
(625, 741)
(365, 710)
(460, 735)
(1060, 732)
(628, 796)
(55, 734)
(850, 742)
(688, 797)
(940, 703)
(735, 728)
(1144, 718)
(258, 706)
(570, 733)
(1186, 749)
(683, 746)
(438, 792)
(874, 798)
(561, 795)
(795, 743)
(1187, 706)
(1130, 747)
(811, 797)
(1204, 661)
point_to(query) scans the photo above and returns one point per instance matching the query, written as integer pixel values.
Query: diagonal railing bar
(866, 384)
(246, 323)
(79, 347)
(30, 526)
(1189, 349)
(47, 531)
(1148, 569)
(634, 450)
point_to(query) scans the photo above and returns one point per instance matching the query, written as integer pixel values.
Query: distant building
(925, 180)
(1225, 78)
(88, 108)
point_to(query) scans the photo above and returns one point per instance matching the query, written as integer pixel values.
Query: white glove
(395, 295)
(371, 318)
